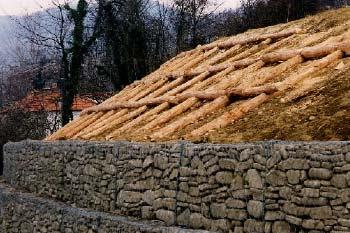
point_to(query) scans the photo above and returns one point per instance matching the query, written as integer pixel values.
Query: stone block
(235, 203)
(293, 220)
(274, 215)
(218, 210)
(161, 162)
(276, 178)
(312, 224)
(310, 192)
(148, 197)
(255, 208)
(184, 218)
(237, 183)
(237, 214)
(167, 216)
(253, 226)
(147, 162)
(344, 222)
(224, 177)
(324, 212)
(294, 164)
(227, 164)
(196, 221)
(147, 212)
(293, 176)
(320, 173)
(254, 179)
(339, 181)
(281, 226)
(129, 197)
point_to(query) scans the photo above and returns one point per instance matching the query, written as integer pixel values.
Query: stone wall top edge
(187, 143)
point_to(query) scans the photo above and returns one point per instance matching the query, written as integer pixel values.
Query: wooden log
(281, 55)
(302, 89)
(222, 56)
(190, 83)
(319, 51)
(167, 87)
(245, 54)
(106, 107)
(239, 92)
(181, 63)
(170, 114)
(185, 71)
(240, 61)
(253, 39)
(230, 116)
(206, 95)
(72, 131)
(275, 72)
(177, 57)
(212, 80)
(98, 123)
(131, 125)
(215, 69)
(218, 103)
(98, 126)
(114, 123)
(308, 52)
(236, 77)
(153, 101)
(309, 71)
(198, 60)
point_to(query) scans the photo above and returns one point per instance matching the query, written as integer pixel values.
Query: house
(49, 100)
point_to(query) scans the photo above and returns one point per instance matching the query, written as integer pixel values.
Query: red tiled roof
(49, 100)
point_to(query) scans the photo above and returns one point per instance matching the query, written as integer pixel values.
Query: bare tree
(189, 18)
(64, 33)
(159, 37)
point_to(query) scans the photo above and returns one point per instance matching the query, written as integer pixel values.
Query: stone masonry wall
(25, 213)
(252, 187)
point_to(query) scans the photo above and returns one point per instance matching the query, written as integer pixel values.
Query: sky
(21, 7)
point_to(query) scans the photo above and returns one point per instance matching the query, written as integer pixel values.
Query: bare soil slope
(285, 82)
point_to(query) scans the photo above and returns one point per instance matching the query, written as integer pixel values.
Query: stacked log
(233, 41)
(230, 116)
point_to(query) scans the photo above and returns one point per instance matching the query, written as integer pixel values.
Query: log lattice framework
(211, 86)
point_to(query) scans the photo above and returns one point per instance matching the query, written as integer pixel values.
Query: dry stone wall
(250, 187)
(26, 213)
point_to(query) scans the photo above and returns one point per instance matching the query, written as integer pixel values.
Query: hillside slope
(287, 82)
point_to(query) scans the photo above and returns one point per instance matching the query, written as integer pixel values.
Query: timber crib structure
(214, 85)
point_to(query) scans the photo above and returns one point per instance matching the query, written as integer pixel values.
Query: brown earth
(323, 114)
